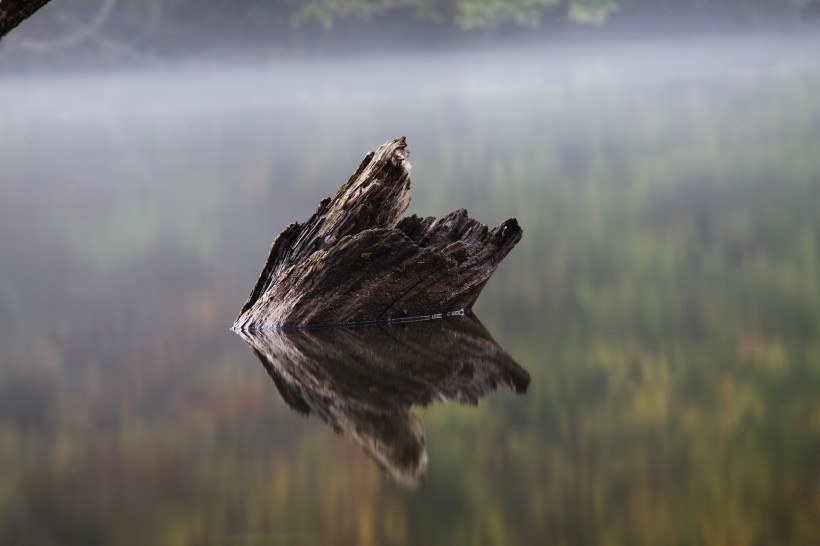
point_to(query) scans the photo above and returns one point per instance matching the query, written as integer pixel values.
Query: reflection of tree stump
(363, 381)
(354, 261)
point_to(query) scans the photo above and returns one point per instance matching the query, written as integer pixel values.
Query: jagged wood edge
(348, 263)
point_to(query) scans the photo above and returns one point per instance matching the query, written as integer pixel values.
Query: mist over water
(665, 298)
(499, 68)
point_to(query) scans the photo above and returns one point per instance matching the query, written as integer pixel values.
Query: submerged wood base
(354, 261)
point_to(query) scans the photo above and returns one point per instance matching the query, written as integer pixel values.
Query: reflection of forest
(363, 381)
(664, 298)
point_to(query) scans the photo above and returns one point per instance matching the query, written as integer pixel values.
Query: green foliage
(467, 14)
(482, 14)
(325, 13)
(471, 14)
(592, 12)
(459, 14)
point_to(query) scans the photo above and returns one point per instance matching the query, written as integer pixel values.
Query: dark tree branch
(14, 12)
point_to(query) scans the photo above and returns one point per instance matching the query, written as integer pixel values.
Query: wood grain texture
(354, 261)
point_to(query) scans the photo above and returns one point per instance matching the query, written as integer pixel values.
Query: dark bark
(353, 261)
(363, 381)
(14, 12)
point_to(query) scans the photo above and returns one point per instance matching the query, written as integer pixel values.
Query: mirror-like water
(665, 300)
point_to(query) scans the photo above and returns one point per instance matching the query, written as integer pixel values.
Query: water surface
(665, 299)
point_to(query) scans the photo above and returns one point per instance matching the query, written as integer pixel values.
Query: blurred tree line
(468, 14)
(144, 29)
(476, 14)
(275, 19)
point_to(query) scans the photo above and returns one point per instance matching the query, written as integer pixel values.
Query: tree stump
(354, 261)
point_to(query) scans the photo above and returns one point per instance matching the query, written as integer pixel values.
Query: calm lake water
(665, 301)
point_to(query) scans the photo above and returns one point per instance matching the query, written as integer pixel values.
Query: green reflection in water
(664, 299)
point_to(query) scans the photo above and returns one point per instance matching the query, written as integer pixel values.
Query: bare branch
(14, 12)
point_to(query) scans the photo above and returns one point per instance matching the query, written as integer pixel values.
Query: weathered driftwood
(363, 381)
(353, 261)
